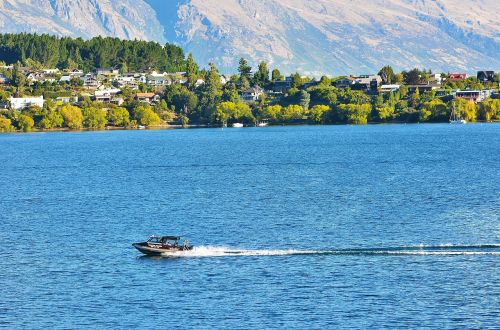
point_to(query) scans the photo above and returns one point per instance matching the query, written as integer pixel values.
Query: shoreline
(176, 127)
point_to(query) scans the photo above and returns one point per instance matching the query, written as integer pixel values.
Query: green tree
(212, 92)
(261, 77)
(118, 117)
(276, 75)
(25, 123)
(224, 112)
(415, 98)
(489, 109)
(293, 112)
(435, 110)
(244, 69)
(231, 93)
(6, 125)
(387, 75)
(355, 113)
(192, 71)
(185, 101)
(272, 112)
(72, 115)
(470, 110)
(52, 119)
(19, 80)
(243, 113)
(94, 118)
(305, 99)
(318, 113)
(146, 116)
(385, 112)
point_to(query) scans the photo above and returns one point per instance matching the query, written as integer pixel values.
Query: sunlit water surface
(318, 227)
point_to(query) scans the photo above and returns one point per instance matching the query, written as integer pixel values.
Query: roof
(171, 238)
(145, 94)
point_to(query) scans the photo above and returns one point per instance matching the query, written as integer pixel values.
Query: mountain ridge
(314, 36)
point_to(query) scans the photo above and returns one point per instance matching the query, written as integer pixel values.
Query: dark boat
(163, 245)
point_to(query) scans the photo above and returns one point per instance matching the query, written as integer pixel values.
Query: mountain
(126, 19)
(311, 36)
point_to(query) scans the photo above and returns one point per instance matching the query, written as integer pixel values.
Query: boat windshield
(154, 239)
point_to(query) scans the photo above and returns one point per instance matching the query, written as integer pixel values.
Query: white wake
(451, 250)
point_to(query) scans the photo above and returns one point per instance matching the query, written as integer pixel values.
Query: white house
(19, 103)
(389, 88)
(252, 94)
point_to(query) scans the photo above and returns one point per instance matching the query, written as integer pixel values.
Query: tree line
(215, 103)
(98, 52)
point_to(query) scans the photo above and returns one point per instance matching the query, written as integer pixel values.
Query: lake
(309, 226)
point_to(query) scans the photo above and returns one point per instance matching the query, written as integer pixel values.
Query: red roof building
(458, 76)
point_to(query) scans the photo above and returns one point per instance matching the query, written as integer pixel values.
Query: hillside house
(422, 88)
(458, 77)
(158, 81)
(346, 82)
(199, 82)
(107, 72)
(389, 88)
(281, 86)
(473, 95)
(147, 97)
(367, 82)
(252, 94)
(67, 99)
(486, 76)
(106, 95)
(4, 80)
(90, 81)
(19, 103)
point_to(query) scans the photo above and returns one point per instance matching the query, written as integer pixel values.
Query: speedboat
(237, 125)
(162, 245)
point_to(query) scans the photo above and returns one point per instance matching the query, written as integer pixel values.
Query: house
(346, 82)
(19, 103)
(389, 88)
(435, 79)
(281, 86)
(458, 76)
(107, 72)
(367, 82)
(117, 100)
(90, 81)
(252, 94)
(486, 76)
(106, 95)
(51, 71)
(474, 95)
(125, 81)
(147, 97)
(67, 99)
(422, 88)
(199, 82)
(73, 73)
(310, 84)
(65, 78)
(4, 80)
(158, 81)
(35, 76)
(224, 79)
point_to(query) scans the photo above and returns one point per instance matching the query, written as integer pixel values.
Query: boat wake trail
(447, 249)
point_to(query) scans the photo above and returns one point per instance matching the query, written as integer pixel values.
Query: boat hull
(158, 251)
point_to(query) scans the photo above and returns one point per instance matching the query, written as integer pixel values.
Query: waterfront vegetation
(203, 96)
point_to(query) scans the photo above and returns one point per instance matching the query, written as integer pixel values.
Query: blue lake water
(318, 227)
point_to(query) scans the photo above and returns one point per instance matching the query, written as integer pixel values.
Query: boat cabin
(163, 241)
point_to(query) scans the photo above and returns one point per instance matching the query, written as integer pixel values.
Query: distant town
(73, 95)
